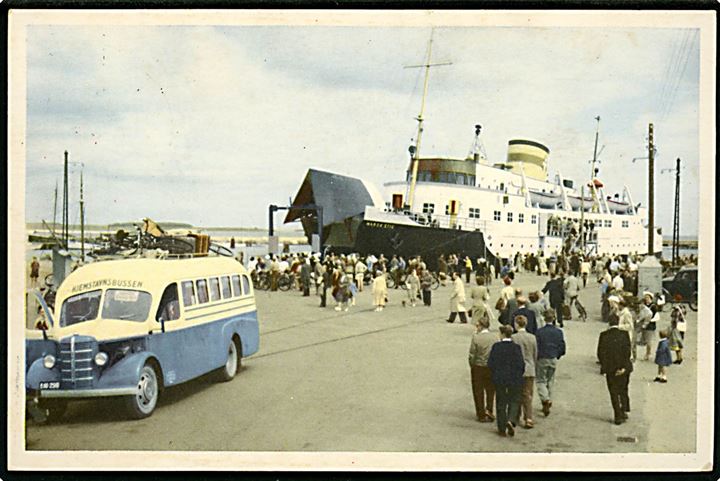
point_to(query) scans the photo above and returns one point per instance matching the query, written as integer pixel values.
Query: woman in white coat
(412, 283)
(379, 290)
(457, 299)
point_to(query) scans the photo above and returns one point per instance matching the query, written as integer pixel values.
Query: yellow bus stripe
(218, 312)
(214, 303)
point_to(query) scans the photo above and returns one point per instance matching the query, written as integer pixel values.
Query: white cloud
(210, 125)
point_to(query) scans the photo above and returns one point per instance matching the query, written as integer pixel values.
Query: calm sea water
(256, 250)
(238, 233)
(667, 252)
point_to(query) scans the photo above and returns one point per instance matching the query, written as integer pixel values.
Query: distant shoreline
(164, 225)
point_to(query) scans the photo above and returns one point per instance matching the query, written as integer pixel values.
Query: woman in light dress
(379, 291)
(480, 295)
(412, 283)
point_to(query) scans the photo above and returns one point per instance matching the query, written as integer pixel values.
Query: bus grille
(76, 362)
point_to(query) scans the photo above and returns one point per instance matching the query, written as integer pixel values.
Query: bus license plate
(50, 385)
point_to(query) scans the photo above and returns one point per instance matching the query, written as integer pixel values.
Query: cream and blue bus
(130, 328)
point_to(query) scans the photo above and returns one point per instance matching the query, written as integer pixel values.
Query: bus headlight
(49, 361)
(101, 359)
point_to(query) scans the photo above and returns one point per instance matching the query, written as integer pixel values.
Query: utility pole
(676, 218)
(66, 217)
(582, 217)
(651, 190)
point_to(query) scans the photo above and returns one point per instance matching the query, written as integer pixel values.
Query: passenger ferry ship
(473, 207)
(511, 207)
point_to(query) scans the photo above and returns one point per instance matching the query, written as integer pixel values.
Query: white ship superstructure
(514, 205)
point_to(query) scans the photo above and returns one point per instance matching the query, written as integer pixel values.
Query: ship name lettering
(381, 225)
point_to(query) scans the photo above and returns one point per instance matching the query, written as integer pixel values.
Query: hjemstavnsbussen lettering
(85, 286)
(380, 225)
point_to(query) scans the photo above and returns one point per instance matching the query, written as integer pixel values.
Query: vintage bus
(132, 327)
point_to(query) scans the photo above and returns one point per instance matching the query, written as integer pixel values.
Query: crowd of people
(504, 365)
(521, 355)
(344, 276)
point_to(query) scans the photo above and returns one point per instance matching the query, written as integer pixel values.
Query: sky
(210, 125)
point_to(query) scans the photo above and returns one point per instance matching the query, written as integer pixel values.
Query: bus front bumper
(87, 393)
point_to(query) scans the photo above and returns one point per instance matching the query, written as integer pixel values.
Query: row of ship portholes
(522, 246)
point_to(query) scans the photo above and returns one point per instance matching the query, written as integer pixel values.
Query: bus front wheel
(232, 362)
(142, 404)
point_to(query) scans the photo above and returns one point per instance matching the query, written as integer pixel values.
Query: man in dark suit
(550, 348)
(523, 310)
(613, 352)
(557, 295)
(507, 366)
(506, 316)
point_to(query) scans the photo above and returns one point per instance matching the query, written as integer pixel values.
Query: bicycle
(286, 281)
(261, 281)
(578, 305)
(435, 282)
(391, 278)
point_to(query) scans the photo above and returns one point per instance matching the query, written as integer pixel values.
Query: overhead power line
(676, 71)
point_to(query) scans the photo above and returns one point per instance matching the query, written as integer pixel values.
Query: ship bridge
(445, 170)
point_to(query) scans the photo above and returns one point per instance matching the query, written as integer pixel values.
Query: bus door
(174, 346)
(191, 335)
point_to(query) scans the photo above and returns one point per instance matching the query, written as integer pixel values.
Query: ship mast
(82, 220)
(55, 208)
(592, 171)
(420, 119)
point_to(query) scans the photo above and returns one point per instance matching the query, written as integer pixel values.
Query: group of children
(671, 340)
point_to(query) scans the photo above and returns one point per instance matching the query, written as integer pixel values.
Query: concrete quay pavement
(396, 380)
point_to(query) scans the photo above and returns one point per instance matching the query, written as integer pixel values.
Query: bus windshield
(80, 308)
(126, 305)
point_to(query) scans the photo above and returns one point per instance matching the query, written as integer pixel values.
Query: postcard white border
(20, 459)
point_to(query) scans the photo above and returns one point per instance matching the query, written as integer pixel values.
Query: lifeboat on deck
(596, 183)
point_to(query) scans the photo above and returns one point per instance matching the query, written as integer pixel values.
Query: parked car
(683, 287)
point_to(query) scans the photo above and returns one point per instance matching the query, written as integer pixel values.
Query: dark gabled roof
(340, 196)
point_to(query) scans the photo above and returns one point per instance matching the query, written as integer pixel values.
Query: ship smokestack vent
(528, 157)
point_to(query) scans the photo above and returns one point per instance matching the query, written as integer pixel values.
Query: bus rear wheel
(142, 404)
(232, 362)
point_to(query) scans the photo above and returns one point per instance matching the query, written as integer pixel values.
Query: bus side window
(214, 289)
(188, 293)
(169, 308)
(202, 291)
(237, 291)
(246, 285)
(225, 284)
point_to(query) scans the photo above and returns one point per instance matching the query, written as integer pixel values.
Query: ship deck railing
(445, 221)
